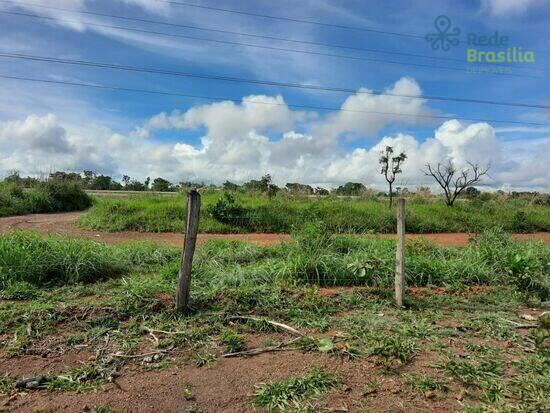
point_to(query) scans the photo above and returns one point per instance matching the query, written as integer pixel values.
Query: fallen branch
(282, 326)
(260, 350)
(133, 356)
(519, 325)
(255, 351)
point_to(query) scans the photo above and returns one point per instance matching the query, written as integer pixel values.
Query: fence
(191, 230)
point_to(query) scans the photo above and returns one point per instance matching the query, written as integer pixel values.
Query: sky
(204, 128)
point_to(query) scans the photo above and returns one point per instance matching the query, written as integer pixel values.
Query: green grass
(49, 196)
(349, 328)
(292, 393)
(28, 260)
(284, 213)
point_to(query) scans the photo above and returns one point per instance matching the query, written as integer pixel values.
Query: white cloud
(508, 7)
(245, 140)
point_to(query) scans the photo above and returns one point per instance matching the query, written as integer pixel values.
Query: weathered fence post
(191, 229)
(400, 252)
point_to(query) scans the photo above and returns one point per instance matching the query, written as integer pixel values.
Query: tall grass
(49, 196)
(256, 213)
(314, 256)
(47, 260)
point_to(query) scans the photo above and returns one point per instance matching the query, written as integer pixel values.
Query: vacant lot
(243, 213)
(98, 323)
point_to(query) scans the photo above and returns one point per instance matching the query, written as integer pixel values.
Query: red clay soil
(227, 386)
(64, 224)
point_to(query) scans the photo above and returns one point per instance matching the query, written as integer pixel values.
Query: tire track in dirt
(64, 224)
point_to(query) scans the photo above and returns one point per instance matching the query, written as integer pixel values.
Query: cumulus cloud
(365, 114)
(245, 140)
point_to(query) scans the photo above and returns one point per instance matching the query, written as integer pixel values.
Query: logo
(481, 48)
(446, 35)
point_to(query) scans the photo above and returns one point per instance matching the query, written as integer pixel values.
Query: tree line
(453, 181)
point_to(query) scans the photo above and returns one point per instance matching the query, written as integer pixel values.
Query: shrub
(50, 196)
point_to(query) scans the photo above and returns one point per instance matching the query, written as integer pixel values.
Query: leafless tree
(391, 166)
(454, 181)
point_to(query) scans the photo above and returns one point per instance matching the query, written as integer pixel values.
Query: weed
(287, 394)
(425, 383)
(204, 358)
(392, 347)
(194, 408)
(233, 341)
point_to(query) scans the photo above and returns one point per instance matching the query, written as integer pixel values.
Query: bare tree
(391, 166)
(453, 181)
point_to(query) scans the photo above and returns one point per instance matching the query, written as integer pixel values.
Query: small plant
(106, 408)
(194, 408)
(233, 341)
(394, 347)
(204, 358)
(424, 384)
(283, 395)
(186, 392)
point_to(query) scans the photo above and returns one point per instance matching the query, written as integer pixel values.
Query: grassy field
(49, 196)
(101, 314)
(256, 213)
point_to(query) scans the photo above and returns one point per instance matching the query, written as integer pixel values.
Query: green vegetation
(28, 260)
(291, 393)
(242, 212)
(452, 340)
(49, 196)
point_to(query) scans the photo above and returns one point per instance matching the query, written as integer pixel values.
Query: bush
(50, 196)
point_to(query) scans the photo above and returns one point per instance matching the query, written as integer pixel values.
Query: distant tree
(453, 181)
(321, 191)
(297, 188)
(162, 185)
(230, 186)
(88, 178)
(471, 192)
(391, 167)
(66, 176)
(104, 183)
(135, 185)
(126, 180)
(186, 185)
(147, 182)
(264, 185)
(350, 189)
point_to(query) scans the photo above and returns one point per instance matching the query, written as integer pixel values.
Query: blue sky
(124, 132)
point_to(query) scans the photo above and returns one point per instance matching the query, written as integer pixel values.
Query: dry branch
(282, 326)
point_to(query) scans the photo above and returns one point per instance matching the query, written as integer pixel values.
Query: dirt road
(64, 224)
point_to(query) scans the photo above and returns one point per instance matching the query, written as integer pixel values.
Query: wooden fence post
(191, 230)
(400, 252)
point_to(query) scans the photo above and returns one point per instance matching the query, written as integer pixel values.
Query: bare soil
(64, 224)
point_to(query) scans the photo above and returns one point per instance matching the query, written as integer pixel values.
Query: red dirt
(226, 386)
(64, 224)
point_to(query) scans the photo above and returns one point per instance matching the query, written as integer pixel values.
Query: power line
(291, 19)
(253, 101)
(295, 20)
(257, 81)
(253, 35)
(283, 49)
(185, 26)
